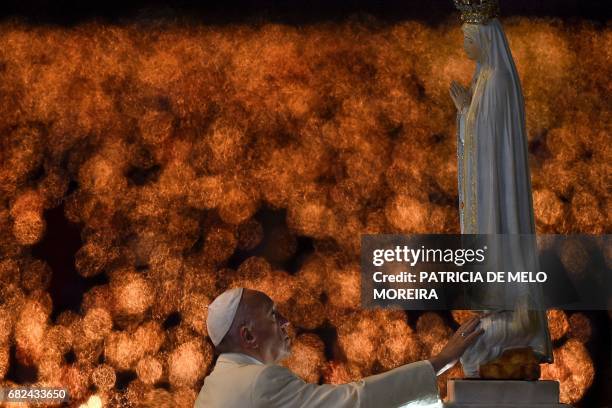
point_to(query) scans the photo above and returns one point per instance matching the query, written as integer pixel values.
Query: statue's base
(503, 394)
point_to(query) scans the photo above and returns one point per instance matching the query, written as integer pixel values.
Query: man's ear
(247, 338)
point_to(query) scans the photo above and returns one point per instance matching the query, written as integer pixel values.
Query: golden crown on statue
(477, 11)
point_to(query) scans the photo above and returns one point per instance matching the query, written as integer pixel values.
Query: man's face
(270, 329)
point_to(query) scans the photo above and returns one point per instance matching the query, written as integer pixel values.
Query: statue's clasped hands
(461, 96)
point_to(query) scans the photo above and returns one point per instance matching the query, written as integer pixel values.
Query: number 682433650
(33, 394)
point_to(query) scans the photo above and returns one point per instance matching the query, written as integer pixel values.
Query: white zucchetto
(221, 313)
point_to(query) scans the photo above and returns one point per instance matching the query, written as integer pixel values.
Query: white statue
(494, 182)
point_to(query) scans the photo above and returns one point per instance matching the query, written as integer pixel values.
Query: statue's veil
(493, 42)
(497, 93)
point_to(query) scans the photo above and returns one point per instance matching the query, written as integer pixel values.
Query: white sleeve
(277, 387)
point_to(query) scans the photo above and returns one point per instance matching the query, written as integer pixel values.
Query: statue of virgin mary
(495, 187)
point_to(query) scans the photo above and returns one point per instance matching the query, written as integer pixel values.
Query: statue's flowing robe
(495, 197)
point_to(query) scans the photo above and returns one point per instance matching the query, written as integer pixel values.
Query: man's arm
(276, 386)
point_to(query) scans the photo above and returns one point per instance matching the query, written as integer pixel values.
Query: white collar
(238, 358)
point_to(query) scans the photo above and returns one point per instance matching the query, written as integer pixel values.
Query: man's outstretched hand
(464, 337)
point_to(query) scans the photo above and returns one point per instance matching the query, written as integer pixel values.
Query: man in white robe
(251, 337)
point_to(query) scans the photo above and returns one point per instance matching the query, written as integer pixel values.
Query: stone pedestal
(503, 394)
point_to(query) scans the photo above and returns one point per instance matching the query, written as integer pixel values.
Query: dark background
(67, 12)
